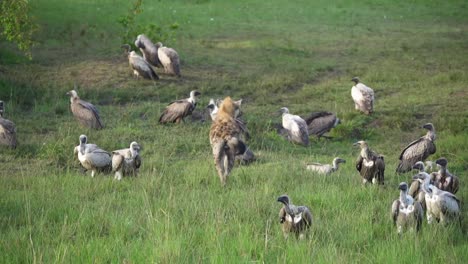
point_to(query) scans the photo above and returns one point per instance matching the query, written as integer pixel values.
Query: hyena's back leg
(219, 154)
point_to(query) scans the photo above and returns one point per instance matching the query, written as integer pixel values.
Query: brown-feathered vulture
(370, 165)
(148, 49)
(296, 127)
(326, 169)
(126, 162)
(418, 150)
(92, 157)
(169, 59)
(177, 110)
(443, 179)
(442, 206)
(295, 219)
(415, 190)
(319, 123)
(406, 213)
(7, 129)
(139, 65)
(363, 97)
(85, 112)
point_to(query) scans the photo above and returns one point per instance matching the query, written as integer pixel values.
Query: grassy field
(299, 54)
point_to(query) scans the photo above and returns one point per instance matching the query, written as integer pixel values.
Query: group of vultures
(432, 189)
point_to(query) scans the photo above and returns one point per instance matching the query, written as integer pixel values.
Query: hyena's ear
(238, 103)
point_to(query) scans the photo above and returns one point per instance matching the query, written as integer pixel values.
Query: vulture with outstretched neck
(319, 123)
(370, 165)
(294, 219)
(406, 213)
(85, 112)
(139, 65)
(148, 49)
(296, 127)
(92, 157)
(443, 179)
(325, 168)
(418, 150)
(176, 111)
(363, 97)
(7, 129)
(126, 162)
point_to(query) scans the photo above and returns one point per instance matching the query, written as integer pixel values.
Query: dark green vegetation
(270, 53)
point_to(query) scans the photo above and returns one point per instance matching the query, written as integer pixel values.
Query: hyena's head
(229, 107)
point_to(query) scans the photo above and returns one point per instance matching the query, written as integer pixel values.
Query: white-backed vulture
(326, 169)
(296, 127)
(319, 123)
(294, 219)
(406, 213)
(178, 110)
(85, 112)
(92, 157)
(148, 49)
(370, 165)
(443, 179)
(139, 65)
(415, 190)
(169, 59)
(442, 206)
(126, 162)
(418, 150)
(363, 97)
(7, 129)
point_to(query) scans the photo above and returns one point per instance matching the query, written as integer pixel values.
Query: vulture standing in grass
(92, 157)
(148, 49)
(7, 129)
(86, 113)
(418, 150)
(178, 110)
(139, 65)
(326, 169)
(443, 179)
(126, 162)
(415, 190)
(442, 206)
(319, 123)
(296, 127)
(363, 97)
(295, 219)
(169, 59)
(406, 213)
(370, 165)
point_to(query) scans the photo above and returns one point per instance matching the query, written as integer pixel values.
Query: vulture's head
(403, 186)
(284, 110)
(134, 148)
(83, 139)
(339, 160)
(421, 177)
(211, 105)
(355, 80)
(127, 48)
(429, 126)
(139, 42)
(194, 93)
(361, 144)
(72, 94)
(419, 166)
(442, 162)
(284, 199)
(158, 45)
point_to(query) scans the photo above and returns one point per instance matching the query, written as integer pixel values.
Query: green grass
(301, 55)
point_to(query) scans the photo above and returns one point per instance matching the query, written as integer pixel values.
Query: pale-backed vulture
(370, 165)
(148, 49)
(418, 150)
(363, 97)
(406, 213)
(169, 59)
(126, 162)
(92, 157)
(443, 179)
(442, 206)
(319, 123)
(7, 129)
(326, 169)
(84, 112)
(296, 127)
(415, 190)
(176, 111)
(294, 219)
(139, 65)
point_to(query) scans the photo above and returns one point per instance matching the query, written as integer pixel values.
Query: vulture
(178, 110)
(442, 206)
(169, 59)
(418, 150)
(443, 179)
(126, 162)
(319, 123)
(415, 190)
(296, 127)
(7, 130)
(92, 157)
(213, 108)
(406, 213)
(370, 165)
(363, 97)
(139, 65)
(326, 169)
(86, 113)
(148, 49)
(295, 219)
